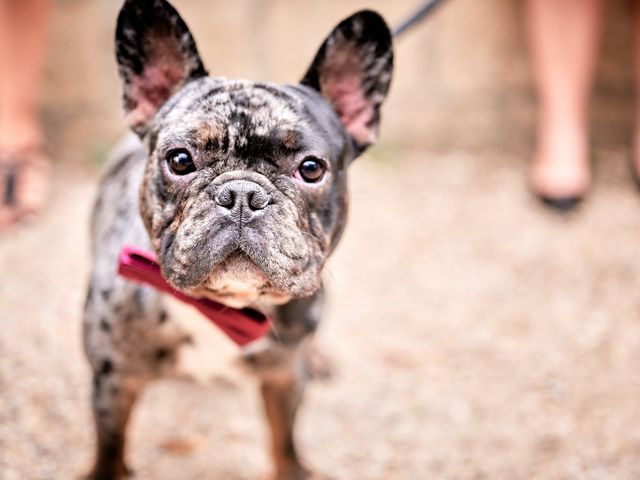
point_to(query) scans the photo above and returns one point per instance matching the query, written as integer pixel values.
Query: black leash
(419, 15)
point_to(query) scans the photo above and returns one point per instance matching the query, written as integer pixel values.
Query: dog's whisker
(330, 273)
(324, 245)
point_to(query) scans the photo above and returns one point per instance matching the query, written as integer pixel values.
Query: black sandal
(14, 169)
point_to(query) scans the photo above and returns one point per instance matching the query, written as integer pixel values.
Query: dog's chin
(238, 282)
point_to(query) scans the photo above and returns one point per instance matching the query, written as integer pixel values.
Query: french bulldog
(240, 190)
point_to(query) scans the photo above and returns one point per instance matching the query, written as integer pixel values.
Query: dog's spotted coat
(241, 225)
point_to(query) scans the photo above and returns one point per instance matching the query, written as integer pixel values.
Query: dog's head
(244, 193)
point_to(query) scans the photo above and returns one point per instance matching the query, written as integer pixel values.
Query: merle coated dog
(240, 189)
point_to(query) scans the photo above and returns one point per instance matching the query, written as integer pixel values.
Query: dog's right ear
(156, 55)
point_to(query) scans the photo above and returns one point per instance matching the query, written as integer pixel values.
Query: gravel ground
(474, 335)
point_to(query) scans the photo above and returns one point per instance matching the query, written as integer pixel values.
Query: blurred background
(474, 334)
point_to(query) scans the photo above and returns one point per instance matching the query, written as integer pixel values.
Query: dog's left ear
(156, 55)
(352, 70)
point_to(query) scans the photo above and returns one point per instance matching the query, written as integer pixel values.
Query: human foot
(560, 174)
(24, 183)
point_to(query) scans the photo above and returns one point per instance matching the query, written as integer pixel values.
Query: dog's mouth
(238, 281)
(271, 261)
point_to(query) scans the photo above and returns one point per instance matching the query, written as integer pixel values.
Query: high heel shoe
(562, 204)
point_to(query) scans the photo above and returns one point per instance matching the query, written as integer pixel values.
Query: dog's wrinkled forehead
(249, 119)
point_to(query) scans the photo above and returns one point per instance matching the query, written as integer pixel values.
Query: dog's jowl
(239, 188)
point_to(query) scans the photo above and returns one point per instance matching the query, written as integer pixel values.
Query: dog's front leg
(282, 395)
(283, 362)
(130, 341)
(112, 398)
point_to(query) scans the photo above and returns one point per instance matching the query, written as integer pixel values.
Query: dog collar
(240, 325)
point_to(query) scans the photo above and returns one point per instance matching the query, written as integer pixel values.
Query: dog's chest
(209, 354)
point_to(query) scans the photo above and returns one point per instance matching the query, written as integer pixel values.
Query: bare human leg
(636, 50)
(25, 167)
(563, 37)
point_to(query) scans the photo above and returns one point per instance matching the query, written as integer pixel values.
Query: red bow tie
(241, 325)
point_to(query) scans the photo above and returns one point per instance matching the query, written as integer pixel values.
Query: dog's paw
(318, 476)
(299, 473)
(119, 472)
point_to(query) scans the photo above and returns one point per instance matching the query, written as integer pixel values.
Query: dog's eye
(180, 162)
(312, 169)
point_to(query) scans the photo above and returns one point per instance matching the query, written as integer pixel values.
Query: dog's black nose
(241, 197)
